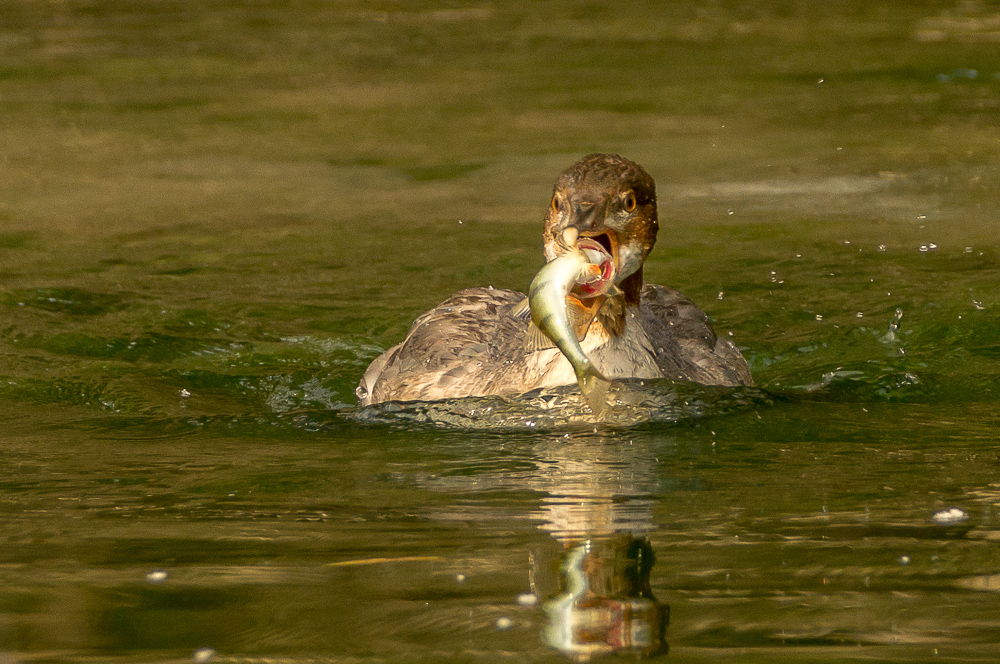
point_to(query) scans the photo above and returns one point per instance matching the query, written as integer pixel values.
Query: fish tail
(594, 387)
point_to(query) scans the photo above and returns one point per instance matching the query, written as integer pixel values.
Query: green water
(213, 216)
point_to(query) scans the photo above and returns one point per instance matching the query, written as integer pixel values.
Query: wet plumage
(472, 344)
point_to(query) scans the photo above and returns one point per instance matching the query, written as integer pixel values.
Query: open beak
(589, 218)
(606, 241)
(602, 269)
(598, 242)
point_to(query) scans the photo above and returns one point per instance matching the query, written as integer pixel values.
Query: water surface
(213, 218)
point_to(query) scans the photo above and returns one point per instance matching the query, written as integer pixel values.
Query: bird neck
(615, 310)
(632, 288)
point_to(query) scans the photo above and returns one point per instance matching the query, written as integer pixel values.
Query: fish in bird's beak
(598, 279)
(559, 318)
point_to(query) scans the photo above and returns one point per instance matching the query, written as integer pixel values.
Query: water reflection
(599, 509)
(607, 604)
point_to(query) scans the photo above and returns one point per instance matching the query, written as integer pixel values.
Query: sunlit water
(214, 218)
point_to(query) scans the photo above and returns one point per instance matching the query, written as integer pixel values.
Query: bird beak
(587, 216)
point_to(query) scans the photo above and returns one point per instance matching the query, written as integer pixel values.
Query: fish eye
(628, 201)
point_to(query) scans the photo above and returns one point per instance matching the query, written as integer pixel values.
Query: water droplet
(729, 212)
(184, 394)
(819, 317)
(894, 325)
(950, 517)
(504, 623)
(904, 559)
(968, 250)
(527, 599)
(977, 304)
(156, 576)
(720, 295)
(881, 247)
(202, 655)
(859, 315)
(460, 578)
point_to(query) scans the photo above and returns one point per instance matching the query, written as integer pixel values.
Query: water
(213, 218)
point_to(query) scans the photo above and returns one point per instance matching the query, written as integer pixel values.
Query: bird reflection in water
(607, 604)
(600, 511)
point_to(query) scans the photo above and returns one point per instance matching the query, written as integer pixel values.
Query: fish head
(611, 201)
(599, 273)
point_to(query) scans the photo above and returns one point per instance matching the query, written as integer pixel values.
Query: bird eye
(628, 202)
(555, 204)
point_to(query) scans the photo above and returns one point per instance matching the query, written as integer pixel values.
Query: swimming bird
(473, 343)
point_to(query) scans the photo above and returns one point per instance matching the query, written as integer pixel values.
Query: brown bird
(472, 345)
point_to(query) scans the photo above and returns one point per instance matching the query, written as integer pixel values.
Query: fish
(560, 317)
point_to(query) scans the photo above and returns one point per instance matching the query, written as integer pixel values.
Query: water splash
(891, 336)
(631, 403)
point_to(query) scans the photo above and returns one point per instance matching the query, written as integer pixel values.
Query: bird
(473, 343)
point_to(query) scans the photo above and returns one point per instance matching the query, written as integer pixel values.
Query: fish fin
(590, 274)
(595, 387)
(522, 310)
(535, 339)
(580, 317)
